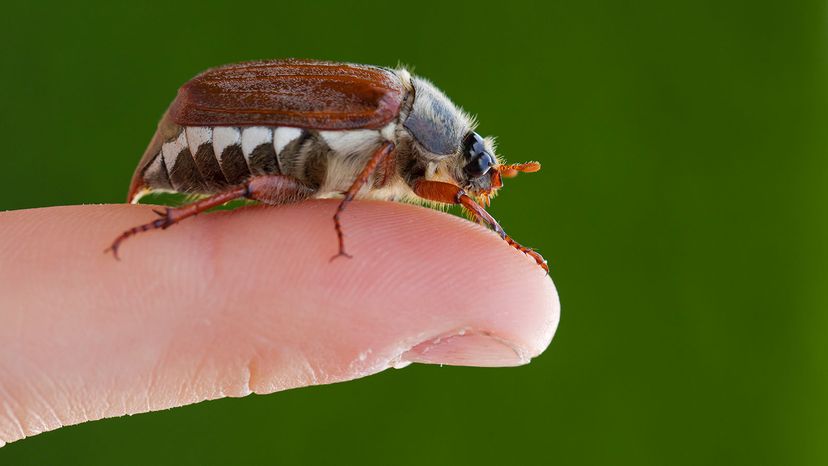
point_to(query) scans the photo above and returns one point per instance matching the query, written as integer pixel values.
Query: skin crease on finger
(230, 303)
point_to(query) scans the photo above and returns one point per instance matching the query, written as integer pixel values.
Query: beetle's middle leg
(379, 155)
(269, 189)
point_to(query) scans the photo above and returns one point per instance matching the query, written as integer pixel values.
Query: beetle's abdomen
(206, 160)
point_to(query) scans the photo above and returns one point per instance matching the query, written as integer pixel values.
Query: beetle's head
(482, 174)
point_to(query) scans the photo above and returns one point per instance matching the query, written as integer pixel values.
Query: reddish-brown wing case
(300, 93)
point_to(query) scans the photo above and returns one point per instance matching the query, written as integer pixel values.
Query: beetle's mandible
(282, 131)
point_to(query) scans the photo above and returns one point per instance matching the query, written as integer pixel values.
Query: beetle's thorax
(434, 122)
(430, 132)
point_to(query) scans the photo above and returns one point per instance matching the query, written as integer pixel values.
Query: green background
(682, 208)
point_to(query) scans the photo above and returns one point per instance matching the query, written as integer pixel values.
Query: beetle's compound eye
(480, 160)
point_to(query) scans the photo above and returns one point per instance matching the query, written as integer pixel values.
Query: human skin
(248, 301)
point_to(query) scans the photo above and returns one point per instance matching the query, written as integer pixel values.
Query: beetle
(281, 131)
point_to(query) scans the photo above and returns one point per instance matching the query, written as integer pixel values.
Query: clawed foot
(114, 249)
(341, 253)
(538, 258)
(161, 223)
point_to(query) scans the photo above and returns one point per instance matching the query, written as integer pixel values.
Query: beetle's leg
(387, 169)
(450, 194)
(269, 189)
(379, 155)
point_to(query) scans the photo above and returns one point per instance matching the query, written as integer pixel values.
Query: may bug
(283, 131)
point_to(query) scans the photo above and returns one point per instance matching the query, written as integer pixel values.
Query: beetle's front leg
(448, 193)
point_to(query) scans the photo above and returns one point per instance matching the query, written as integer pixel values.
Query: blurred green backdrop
(682, 208)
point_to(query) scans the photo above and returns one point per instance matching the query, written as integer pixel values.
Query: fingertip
(231, 303)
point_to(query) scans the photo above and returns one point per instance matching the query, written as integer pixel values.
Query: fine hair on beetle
(282, 131)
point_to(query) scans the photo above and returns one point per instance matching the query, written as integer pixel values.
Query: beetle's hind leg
(269, 189)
